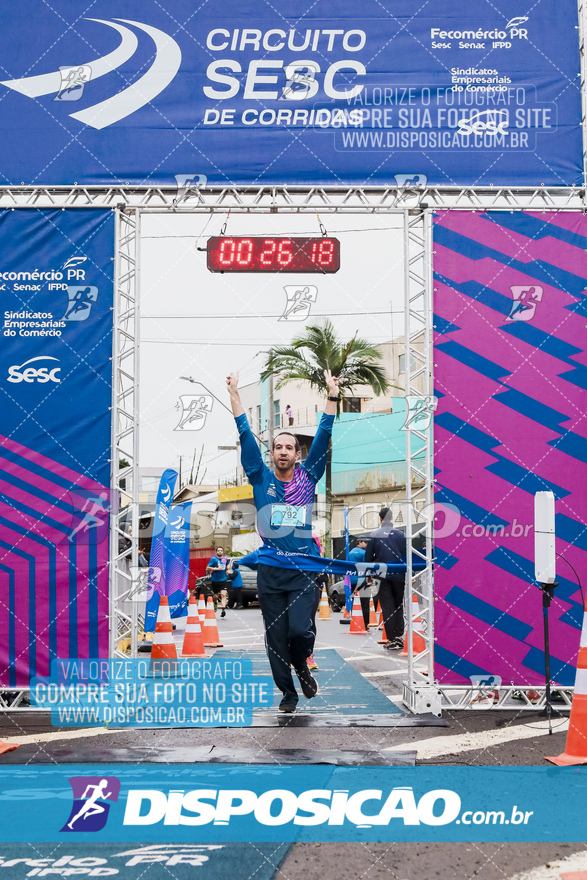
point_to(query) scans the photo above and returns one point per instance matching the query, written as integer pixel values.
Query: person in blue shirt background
(284, 500)
(217, 568)
(235, 585)
(357, 554)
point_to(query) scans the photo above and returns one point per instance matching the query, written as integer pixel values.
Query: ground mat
(346, 698)
(343, 690)
(99, 754)
(161, 861)
(332, 719)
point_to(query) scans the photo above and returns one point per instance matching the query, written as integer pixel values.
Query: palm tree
(319, 349)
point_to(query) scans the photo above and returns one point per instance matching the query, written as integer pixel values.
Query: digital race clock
(267, 254)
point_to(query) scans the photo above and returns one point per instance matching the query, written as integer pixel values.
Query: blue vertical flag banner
(177, 558)
(55, 437)
(402, 93)
(156, 582)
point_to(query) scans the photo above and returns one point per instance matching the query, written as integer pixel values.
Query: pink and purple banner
(510, 365)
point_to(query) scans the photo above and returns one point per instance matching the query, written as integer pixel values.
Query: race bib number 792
(287, 515)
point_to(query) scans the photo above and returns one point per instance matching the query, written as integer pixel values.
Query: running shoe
(533, 696)
(287, 708)
(223, 613)
(485, 699)
(308, 683)
(312, 663)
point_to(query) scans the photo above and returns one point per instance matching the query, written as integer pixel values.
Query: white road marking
(232, 632)
(576, 862)
(387, 672)
(235, 639)
(468, 742)
(52, 736)
(358, 655)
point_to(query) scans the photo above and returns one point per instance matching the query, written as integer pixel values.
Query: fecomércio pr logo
(91, 797)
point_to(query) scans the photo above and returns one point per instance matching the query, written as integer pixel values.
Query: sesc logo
(42, 374)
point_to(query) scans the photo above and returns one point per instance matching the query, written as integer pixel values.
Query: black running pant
(287, 600)
(391, 599)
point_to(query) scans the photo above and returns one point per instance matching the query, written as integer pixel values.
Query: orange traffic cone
(372, 615)
(193, 640)
(201, 607)
(357, 626)
(211, 637)
(576, 748)
(383, 640)
(418, 643)
(7, 747)
(324, 606)
(163, 643)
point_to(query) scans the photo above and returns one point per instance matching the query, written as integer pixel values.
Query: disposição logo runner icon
(91, 795)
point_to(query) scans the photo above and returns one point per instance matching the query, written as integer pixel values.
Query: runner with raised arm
(284, 499)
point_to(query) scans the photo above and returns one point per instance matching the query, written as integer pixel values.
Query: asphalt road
(471, 738)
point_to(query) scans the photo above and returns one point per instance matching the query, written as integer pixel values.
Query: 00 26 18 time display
(270, 254)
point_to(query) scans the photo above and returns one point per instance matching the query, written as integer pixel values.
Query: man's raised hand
(331, 406)
(235, 400)
(332, 383)
(232, 383)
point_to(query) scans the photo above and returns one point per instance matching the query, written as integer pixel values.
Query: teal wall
(365, 441)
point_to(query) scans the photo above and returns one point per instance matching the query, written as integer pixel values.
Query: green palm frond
(319, 349)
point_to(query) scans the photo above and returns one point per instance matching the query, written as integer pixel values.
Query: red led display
(266, 254)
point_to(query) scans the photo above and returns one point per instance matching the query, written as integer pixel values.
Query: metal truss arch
(416, 207)
(295, 199)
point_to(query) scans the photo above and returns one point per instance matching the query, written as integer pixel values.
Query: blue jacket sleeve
(315, 463)
(370, 551)
(251, 458)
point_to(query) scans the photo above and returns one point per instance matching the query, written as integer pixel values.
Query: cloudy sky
(204, 325)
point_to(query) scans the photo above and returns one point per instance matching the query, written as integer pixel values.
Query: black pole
(548, 711)
(547, 597)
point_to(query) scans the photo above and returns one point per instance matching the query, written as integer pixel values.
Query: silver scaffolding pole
(420, 694)
(124, 587)
(302, 199)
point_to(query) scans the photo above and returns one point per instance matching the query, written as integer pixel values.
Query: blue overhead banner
(402, 93)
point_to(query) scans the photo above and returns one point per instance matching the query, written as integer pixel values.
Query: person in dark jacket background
(389, 545)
